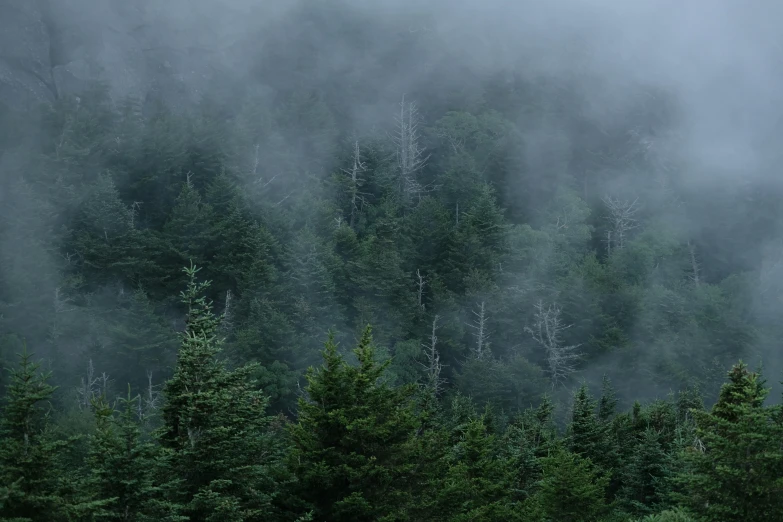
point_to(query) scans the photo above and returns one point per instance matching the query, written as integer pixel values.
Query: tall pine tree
(215, 431)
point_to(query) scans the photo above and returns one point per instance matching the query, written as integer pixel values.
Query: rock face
(140, 48)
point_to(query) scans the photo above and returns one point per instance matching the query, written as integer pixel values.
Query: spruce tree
(572, 489)
(645, 478)
(122, 464)
(734, 470)
(589, 433)
(478, 484)
(215, 433)
(351, 439)
(34, 484)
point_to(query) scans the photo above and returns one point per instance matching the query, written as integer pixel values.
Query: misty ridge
(391, 260)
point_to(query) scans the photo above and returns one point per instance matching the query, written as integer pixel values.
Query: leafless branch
(421, 283)
(695, 265)
(411, 156)
(547, 331)
(92, 386)
(433, 365)
(481, 349)
(621, 219)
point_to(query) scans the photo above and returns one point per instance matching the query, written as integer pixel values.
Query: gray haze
(721, 60)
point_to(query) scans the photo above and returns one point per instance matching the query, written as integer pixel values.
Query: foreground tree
(571, 490)
(122, 465)
(216, 437)
(734, 470)
(350, 442)
(34, 484)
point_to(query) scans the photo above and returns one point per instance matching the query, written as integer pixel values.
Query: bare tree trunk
(695, 265)
(421, 283)
(547, 332)
(226, 323)
(410, 154)
(482, 336)
(433, 365)
(621, 219)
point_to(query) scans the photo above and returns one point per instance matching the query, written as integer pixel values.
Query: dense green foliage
(509, 251)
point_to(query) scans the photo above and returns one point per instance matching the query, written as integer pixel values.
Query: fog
(713, 65)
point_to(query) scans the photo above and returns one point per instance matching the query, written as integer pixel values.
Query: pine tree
(122, 464)
(477, 483)
(572, 489)
(589, 435)
(215, 434)
(349, 444)
(188, 229)
(34, 485)
(645, 479)
(734, 471)
(138, 340)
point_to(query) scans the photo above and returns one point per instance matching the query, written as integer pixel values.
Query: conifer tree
(572, 489)
(33, 482)
(645, 479)
(734, 470)
(122, 464)
(589, 435)
(350, 441)
(215, 432)
(188, 229)
(477, 484)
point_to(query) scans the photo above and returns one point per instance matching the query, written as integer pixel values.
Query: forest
(393, 282)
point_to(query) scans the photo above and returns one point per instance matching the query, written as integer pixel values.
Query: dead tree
(621, 220)
(226, 322)
(695, 265)
(354, 175)
(481, 348)
(91, 387)
(547, 331)
(433, 365)
(150, 403)
(61, 306)
(421, 283)
(411, 156)
(134, 212)
(608, 242)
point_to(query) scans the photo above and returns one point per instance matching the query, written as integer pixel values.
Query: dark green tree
(215, 433)
(34, 482)
(733, 472)
(571, 490)
(351, 439)
(122, 466)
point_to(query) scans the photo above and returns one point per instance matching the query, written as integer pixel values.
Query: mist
(695, 89)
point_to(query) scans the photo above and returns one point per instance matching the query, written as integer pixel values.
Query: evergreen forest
(392, 283)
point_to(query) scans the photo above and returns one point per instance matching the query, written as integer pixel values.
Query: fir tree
(349, 444)
(589, 434)
(645, 479)
(733, 472)
(215, 433)
(34, 485)
(477, 484)
(122, 464)
(572, 489)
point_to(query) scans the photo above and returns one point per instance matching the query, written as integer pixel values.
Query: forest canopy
(379, 277)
